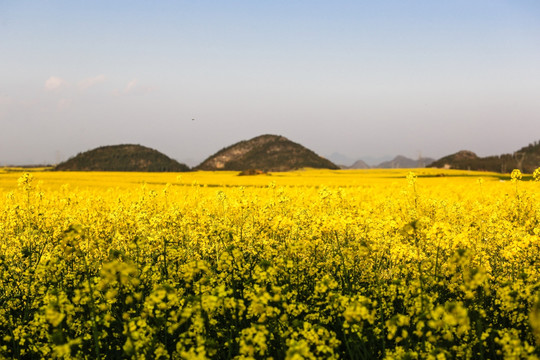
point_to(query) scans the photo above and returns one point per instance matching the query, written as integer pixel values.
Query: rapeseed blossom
(303, 265)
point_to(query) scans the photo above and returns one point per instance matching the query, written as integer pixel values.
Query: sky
(348, 79)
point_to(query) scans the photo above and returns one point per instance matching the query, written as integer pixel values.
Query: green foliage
(267, 153)
(526, 159)
(122, 158)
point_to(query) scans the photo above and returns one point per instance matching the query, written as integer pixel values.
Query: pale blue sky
(359, 78)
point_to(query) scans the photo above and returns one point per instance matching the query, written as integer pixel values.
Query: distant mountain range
(527, 159)
(399, 162)
(402, 162)
(358, 164)
(345, 161)
(276, 153)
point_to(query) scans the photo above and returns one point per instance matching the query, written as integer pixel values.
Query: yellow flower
(516, 175)
(536, 174)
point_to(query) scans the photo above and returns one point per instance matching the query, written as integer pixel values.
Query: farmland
(308, 264)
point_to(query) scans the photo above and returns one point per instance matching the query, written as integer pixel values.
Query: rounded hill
(525, 159)
(463, 160)
(265, 153)
(127, 157)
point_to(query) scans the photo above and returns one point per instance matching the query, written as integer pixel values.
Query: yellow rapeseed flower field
(312, 264)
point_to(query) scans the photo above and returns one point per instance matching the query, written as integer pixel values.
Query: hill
(126, 157)
(359, 164)
(402, 162)
(463, 160)
(265, 153)
(527, 159)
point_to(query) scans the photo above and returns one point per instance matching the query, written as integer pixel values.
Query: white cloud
(89, 82)
(54, 83)
(133, 87)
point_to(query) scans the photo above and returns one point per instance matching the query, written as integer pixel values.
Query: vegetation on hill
(276, 153)
(126, 157)
(265, 153)
(525, 159)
